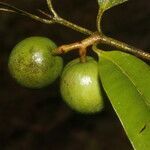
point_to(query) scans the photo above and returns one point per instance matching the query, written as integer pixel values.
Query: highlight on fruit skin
(32, 64)
(80, 86)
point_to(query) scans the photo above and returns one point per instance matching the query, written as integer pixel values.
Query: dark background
(39, 119)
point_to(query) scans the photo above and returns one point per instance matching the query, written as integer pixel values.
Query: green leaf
(126, 80)
(106, 4)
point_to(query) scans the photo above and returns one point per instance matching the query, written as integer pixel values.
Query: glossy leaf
(106, 4)
(126, 80)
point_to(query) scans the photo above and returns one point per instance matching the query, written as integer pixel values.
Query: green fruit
(80, 87)
(32, 64)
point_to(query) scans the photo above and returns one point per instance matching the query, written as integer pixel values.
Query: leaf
(126, 80)
(107, 4)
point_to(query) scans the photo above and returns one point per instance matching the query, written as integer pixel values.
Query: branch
(13, 9)
(73, 26)
(50, 20)
(99, 19)
(66, 23)
(77, 45)
(125, 47)
(50, 6)
(94, 38)
(97, 38)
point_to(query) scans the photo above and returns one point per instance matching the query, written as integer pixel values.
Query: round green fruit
(32, 64)
(80, 86)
